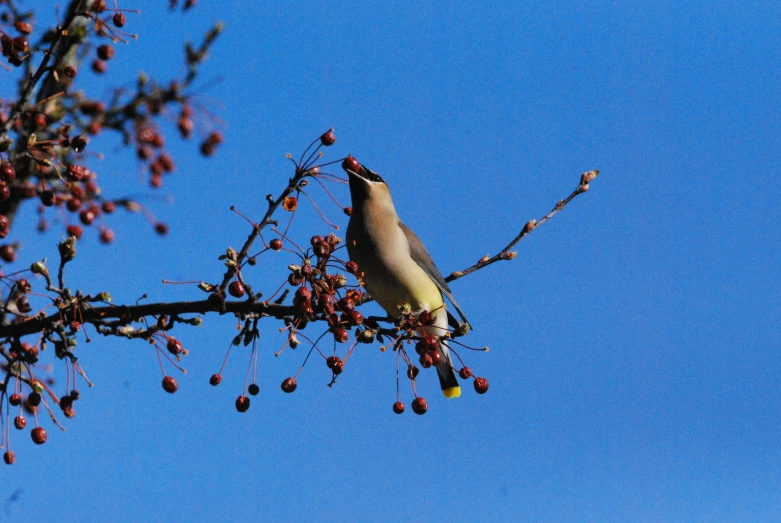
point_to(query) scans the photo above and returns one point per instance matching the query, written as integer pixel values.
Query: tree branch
(506, 254)
(135, 312)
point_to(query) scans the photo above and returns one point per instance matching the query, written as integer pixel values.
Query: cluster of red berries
(18, 297)
(16, 48)
(108, 26)
(104, 53)
(30, 404)
(209, 145)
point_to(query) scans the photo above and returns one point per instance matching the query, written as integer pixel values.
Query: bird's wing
(424, 261)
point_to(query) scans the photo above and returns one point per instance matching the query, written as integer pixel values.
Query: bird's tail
(447, 376)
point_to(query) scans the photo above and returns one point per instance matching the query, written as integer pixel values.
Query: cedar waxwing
(394, 265)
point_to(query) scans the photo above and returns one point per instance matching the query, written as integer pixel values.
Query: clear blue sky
(634, 363)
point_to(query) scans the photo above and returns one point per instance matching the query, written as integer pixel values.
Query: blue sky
(634, 363)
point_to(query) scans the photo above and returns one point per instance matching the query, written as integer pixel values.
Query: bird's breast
(380, 248)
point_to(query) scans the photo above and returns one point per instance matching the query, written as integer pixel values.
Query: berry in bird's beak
(351, 164)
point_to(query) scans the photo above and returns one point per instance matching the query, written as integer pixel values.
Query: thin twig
(506, 253)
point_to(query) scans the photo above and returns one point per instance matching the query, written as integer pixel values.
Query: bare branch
(506, 254)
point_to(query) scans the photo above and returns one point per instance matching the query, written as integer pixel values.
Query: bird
(394, 266)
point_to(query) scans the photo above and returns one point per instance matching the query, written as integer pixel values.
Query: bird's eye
(372, 176)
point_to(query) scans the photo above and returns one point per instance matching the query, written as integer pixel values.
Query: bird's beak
(360, 174)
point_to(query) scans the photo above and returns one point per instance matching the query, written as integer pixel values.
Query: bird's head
(365, 184)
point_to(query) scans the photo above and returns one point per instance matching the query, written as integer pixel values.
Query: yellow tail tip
(452, 392)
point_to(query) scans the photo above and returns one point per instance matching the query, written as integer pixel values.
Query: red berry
(107, 236)
(303, 305)
(214, 138)
(332, 360)
(481, 385)
(356, 318)
(419, 406)
(436, 357)
(94, 127)
(328, 138)
(144, 153)
(322, 250)
(20, 422)
(174, 346)
(86, 216)
(425, 360)
(105, 52)
(23, 305)
(75, 172)
(242, 403)
(66, 402)
(5, 192)
(289, 385)
(351, 164)
(432, 342)
(185, 126)
(74, 204)
(304, 293)
(39, 435)
(169, 384)
(398, 407)
(338, 368)
(161, 228)
(412, 372)
(156, 168)
(275, 244)
(346, 304)
(21, 44)
(236, 289)
(9, 457)
(98, 6)
(75, 230)
(47, 198)
(109, 207)
(326, 302)
(70, 71)
(348, 211)
(207, 148)
(15, 399)
(7, 253)
(99, 66)
(253, 389)
(216, 299)
(7, 172)
(465, 373)
(79, 143)
(215, 380)
(351, 267)
(341, 335)
(23, 27)
(34, 399)
(118, 19)
(166, 162)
